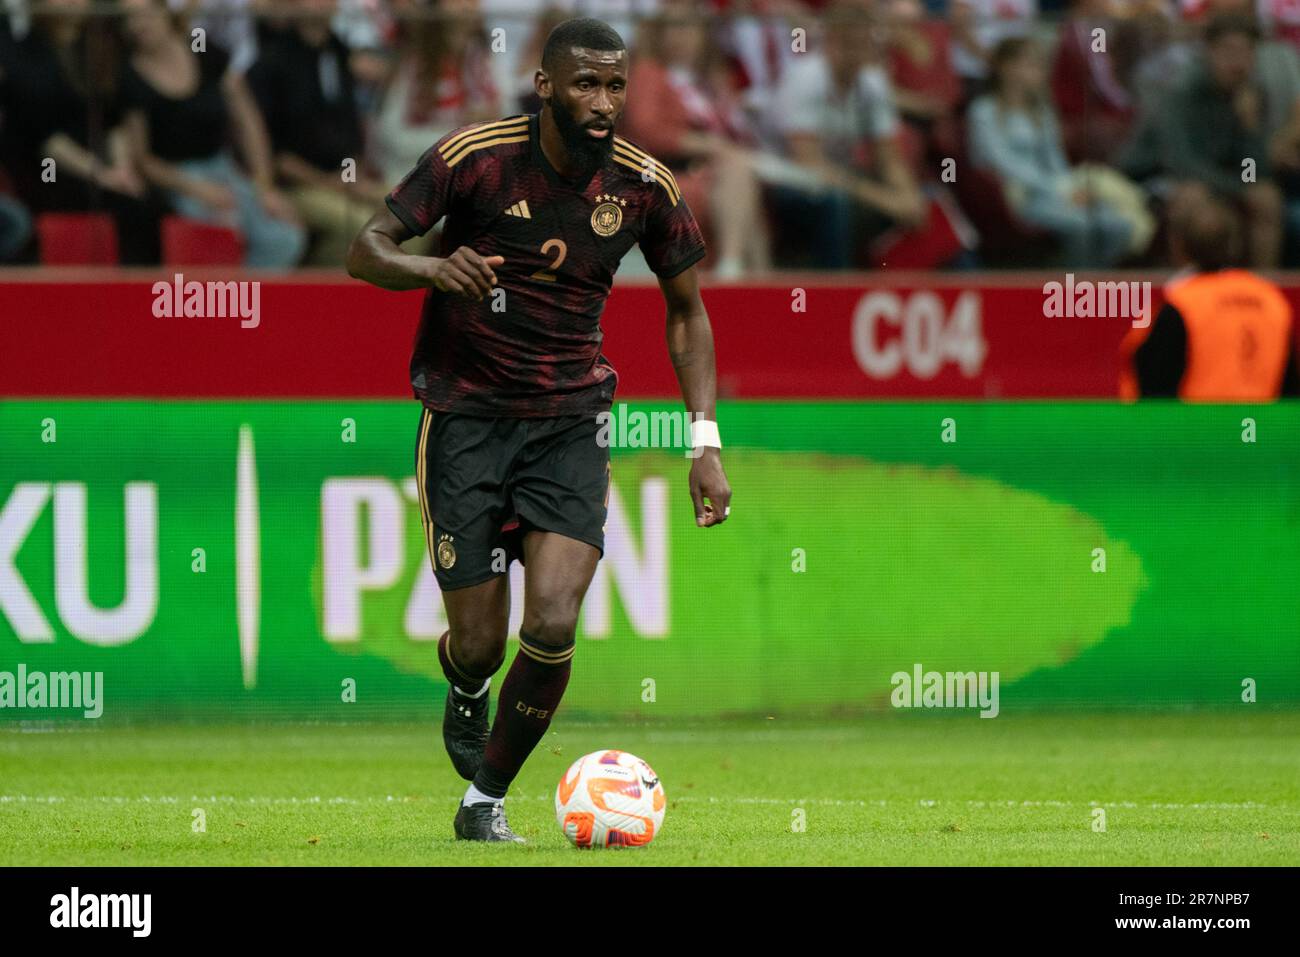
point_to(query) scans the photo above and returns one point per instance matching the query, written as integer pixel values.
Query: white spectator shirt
(807, 103)
(226, 24)
(995, 20)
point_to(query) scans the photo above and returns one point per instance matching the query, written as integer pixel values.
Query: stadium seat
(188, 242)
(935, 243)
(1004, 237)
(77, 239)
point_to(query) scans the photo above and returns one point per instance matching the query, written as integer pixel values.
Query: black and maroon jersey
(538, 352)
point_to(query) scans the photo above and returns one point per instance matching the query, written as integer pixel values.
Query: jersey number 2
(548, 275)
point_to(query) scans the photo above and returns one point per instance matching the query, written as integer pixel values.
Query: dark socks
(529, 696)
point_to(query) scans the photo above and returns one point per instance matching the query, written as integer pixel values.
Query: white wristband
(704, 432)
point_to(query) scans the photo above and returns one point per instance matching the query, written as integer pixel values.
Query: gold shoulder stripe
(661, 172)
(637, 153)
(475, 147)
(451, 144)
(630, 164)
(647, 161)
(520, 129)
(660, 175)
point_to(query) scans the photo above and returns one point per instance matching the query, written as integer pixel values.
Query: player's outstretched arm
(690, 346)
(376, 257)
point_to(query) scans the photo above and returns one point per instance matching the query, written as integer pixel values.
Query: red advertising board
(918, 336)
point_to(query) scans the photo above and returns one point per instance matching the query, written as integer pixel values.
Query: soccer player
(540, 208)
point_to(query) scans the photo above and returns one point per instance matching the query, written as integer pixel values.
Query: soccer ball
(610, 799)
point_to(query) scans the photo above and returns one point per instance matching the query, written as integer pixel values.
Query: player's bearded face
(584, 149)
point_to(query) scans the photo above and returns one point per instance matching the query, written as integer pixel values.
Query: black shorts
(484, 483)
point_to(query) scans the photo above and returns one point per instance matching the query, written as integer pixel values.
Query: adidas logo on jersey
(520, 209)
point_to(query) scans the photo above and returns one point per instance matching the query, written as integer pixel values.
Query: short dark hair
(1007, 51)
(585, 32)
(1230, 24)
(1211, 234)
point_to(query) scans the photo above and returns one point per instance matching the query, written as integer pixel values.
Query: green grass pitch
(1177, 789)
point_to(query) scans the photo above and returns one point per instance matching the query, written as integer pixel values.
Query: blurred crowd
(805, 134)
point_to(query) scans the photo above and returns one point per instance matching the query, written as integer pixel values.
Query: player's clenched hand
(708, 481)
(466, 273)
